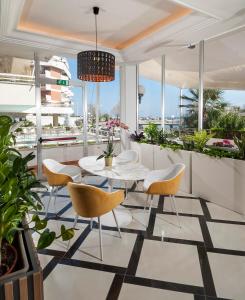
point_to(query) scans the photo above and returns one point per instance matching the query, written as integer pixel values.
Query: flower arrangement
(108, 154)
(224, 143)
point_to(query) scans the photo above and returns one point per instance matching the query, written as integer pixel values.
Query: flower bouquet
(108, 154)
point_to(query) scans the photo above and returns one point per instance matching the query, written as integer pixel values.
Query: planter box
(219, 180)
(28, 285)
(22, 262)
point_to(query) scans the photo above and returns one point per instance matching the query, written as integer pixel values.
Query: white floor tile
(221, 213)
(73, 283)
(228, 274)
(168, 226)
(170, 262)
(130, 291)
(127, 218)
(117, 251)
(139, 199)
(55, 206)
(44, 259)
(184, 205)
(227, 236)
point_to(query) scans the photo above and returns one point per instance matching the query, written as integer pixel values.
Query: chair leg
(50, 198)
(91, 223)
(151, 202)
(176, 210)
(126, 189)
(75, 220)
(146, 201)
(171, 204)
(100, 236)
(118, 228)
(55, 197)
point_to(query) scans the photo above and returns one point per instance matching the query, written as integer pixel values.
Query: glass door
(61, 114)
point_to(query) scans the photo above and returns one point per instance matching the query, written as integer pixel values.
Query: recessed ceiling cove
(121, 23)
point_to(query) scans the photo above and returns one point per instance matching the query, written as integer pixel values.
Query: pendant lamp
(94, 65)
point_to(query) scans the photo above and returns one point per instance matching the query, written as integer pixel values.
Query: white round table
(121, 170)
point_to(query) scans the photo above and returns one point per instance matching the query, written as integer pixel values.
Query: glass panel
(182, 82)
(224, 85)
(149, 92)
(62, 111)
(103, 104)
(17, 97)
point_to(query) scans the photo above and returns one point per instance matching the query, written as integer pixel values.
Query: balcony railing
(17, 79)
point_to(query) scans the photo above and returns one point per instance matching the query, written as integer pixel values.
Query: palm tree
(213, 105)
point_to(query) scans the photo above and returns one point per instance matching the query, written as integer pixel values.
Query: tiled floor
(155, 259)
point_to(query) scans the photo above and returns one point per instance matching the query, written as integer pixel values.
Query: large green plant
(151, 133)
(214, 105)
(18, 194)
(227, 124)
(200, 139)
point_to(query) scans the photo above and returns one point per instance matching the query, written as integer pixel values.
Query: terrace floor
(205, 259)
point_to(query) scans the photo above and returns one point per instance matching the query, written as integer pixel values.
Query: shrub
(137, 137)
(200, 139)
(151, 132)
(188, 143)
(228, 124)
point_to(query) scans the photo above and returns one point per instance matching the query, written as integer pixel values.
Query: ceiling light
(94, 65)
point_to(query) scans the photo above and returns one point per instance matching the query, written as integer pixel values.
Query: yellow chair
(91, 202)
(164, 182)
(58, 175)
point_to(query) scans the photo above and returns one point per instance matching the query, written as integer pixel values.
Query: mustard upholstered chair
(59, 175)
(164, 182)
(91, 202)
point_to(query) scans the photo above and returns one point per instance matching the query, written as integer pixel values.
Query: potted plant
(18, 196)
(108, 154)
(137, 137)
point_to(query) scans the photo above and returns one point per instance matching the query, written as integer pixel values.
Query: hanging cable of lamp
(94, 65)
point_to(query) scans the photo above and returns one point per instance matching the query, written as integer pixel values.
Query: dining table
(122, 170)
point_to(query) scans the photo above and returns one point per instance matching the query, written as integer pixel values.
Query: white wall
(17, 94)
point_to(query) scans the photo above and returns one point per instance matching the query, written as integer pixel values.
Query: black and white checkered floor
(204, 259)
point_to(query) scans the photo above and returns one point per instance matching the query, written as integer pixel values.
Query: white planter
(164, 158)
(219, 180)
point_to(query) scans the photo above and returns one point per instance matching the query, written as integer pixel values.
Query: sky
(151, 102)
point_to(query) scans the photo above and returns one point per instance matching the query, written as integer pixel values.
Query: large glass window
(182, 83)
(149, 93)
(103, 104)
(17, 96)
(224, 94)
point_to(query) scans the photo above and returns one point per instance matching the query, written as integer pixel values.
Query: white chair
(164, 182)
(125, 157)
(128, 156)
(58, 175)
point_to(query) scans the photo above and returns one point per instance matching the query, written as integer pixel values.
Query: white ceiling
(224, 64)
(116, 23)
(67, 27)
